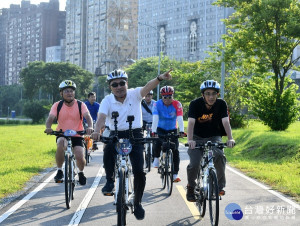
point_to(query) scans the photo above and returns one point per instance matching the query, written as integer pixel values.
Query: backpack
(60, 104)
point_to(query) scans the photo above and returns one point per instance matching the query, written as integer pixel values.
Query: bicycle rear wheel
(213, 198)
(201, 199)
(169, 168)
(68, 181)
(121, 202)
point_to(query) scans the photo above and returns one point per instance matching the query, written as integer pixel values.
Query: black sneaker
(82, 178)
(95, 146)
(59, 178)
(190, 194)
(139, 212)
(108, 189)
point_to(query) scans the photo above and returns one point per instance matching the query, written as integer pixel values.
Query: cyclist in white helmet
(69, 116)
(126, 102)
(208, 120)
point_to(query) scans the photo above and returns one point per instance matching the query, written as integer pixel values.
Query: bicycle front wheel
(121, 202)
(201, 199)
(169, 168)
(86, 153)
(68, 180)
(213, 198)
(149, 157)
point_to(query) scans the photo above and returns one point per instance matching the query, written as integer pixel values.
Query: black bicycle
(70, 167)
(207, 183)
(166, 165)
(148, 148)
(124, 192)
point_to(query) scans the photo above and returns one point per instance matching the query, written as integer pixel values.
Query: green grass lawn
(272, 157)
(25, 151)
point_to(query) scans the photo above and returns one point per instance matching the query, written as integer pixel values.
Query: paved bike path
(47, 207)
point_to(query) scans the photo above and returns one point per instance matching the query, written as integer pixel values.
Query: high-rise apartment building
(29, 30)
(101, 35)
(3, 23)
(180, 29)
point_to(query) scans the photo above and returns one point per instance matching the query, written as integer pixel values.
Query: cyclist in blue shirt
(166, 113)
(92, 105)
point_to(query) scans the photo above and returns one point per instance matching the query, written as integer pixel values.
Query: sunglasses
(115, 84)
(167, 97)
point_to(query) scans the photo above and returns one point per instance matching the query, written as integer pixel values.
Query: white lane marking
(265, 188)
(26, 198)
(86, 200)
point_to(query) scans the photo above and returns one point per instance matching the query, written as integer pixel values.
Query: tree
(47, 76)
(268, 30)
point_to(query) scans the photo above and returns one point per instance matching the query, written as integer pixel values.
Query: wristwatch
(159, 79)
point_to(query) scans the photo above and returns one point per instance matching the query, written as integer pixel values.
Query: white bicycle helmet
(118, 73)
(67, 84)
(210, 84)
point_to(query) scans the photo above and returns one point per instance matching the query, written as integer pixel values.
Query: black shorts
(76, 141)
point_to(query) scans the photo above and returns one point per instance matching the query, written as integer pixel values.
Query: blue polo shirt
(93, 109)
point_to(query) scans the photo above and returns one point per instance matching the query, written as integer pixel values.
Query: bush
(237, 120)
(278, 111)
(35, 110)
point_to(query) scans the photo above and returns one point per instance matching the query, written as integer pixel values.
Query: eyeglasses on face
(115, 84)
(167, 97)
(208, 94)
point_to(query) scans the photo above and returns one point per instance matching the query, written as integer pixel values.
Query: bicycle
(148, 148)
(166, 165)
(124, 192)
(89, 146)
(207, 183)
(70, 167)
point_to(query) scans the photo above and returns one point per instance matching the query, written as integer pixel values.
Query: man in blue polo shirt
(92, 105)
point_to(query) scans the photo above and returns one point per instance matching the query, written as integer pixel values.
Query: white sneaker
(176, 178)
(156, 162)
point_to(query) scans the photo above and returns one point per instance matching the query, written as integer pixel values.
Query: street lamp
(223, 59)
(159, 54)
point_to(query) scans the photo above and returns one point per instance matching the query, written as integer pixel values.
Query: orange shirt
(69, 117)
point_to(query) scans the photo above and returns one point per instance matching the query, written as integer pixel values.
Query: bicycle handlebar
(60, 132)
(115, 139)
(209, 144)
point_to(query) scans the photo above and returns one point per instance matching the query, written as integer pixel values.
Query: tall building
(3, 23)
(30, 30)
(101, 35)
(180, 29)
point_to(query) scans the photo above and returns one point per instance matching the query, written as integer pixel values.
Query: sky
(6, 3)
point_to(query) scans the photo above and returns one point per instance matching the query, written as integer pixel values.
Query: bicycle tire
(170, 171)
(213, 198)
(68, 181)
(149, 157)
(163, 173)
(86, 153)
(201, 199)
(145, 156)
(121, 204)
